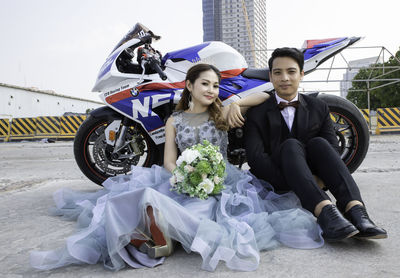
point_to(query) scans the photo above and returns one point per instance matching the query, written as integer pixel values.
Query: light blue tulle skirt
(248, 217)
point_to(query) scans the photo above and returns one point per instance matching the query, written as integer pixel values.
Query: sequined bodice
(188, 135)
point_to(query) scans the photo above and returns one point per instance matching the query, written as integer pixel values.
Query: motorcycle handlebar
(154, 65)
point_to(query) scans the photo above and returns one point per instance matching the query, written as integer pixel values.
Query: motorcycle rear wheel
(95, 157)
(351, 129)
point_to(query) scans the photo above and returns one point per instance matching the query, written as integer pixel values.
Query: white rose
(217, 179)
(172, 180)
(190, 155)
(203, 176)
(219, 157)
(207, 185)
(179, 161)
(188, 168)
(179, 177)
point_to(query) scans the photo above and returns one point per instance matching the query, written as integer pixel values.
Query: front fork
(115, 135)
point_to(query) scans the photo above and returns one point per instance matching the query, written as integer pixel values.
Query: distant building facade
(225, 20)
(354, 68)
(20, 102)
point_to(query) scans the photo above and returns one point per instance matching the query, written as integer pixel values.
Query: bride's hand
(233, 115)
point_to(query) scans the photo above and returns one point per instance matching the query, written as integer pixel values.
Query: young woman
(135, 218)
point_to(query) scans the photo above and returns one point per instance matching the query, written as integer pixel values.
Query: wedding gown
(246, 218)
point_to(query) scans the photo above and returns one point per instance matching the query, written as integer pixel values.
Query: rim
(347, 136)
(98, 155)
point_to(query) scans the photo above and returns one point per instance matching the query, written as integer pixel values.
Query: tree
(386, 96)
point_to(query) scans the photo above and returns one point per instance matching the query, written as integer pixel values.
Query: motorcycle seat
(262, 74)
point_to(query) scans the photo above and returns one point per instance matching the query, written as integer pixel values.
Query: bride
(136, 219)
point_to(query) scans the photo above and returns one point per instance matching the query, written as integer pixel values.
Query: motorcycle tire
(351, 129)
(95, 158)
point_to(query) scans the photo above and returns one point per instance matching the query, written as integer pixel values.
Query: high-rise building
(241, 24)
(351, 72)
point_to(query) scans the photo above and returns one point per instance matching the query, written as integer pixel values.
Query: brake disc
(103, 160)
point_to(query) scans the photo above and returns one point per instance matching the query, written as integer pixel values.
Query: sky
(60, 45)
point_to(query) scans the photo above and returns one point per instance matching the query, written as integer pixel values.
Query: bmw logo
(134, 92)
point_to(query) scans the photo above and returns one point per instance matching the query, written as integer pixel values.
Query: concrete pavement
(32, 171)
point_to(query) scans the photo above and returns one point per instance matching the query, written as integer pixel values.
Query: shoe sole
(342, 238)
(371, 237)
(156, 251)
(160, 251)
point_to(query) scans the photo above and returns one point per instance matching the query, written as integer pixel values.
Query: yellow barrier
(365, 113)
(4, 129)
(70, 125)
(40, 127)
(23, 128)
(388, 120)
(47, 127)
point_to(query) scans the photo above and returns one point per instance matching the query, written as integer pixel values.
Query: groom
(290, 138)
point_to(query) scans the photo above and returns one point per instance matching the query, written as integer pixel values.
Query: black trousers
(296, 164)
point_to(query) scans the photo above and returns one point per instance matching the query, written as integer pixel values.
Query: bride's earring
(191, 104)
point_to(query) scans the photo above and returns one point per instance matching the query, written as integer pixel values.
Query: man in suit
(290, 141)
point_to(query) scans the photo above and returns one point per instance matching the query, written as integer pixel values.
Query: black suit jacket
(263, 130)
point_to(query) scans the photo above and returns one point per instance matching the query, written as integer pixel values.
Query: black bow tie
(283, 105)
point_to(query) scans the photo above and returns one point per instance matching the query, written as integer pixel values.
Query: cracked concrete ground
(30, 172)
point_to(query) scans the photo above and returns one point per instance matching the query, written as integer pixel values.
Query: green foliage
(217, 188)
(203, 167)
(195, 177)
(386, 96)
(220, 170)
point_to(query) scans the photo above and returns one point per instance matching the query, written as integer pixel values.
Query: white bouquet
(199, 172)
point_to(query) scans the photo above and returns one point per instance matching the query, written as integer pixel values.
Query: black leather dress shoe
(334, 226)
(368, 230)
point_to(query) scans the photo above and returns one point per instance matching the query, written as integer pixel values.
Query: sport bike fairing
(121, 91)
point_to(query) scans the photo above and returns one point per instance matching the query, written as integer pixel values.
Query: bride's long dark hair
(215, 108)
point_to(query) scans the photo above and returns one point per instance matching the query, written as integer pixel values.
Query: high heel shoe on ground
(156, 246)
(163, 245)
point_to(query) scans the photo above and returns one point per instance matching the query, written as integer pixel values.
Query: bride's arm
(170, 148)
(234, 111)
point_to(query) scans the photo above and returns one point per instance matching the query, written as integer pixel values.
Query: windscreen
(137, 32)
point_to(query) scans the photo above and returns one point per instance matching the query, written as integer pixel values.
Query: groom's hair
(290, 52)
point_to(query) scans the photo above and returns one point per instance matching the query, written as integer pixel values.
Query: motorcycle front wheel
(351, 130)
(97, 159)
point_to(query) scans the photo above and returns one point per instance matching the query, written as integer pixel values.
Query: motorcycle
(140, 88)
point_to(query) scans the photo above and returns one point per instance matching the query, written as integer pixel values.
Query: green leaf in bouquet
(195, 178)
(203, 167)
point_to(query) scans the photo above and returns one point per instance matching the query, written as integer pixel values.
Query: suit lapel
(302, 114)
(274, 116)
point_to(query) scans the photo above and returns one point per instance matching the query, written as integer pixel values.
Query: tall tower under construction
(239, 23)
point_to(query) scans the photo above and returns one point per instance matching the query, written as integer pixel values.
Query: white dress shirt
(289, 112)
